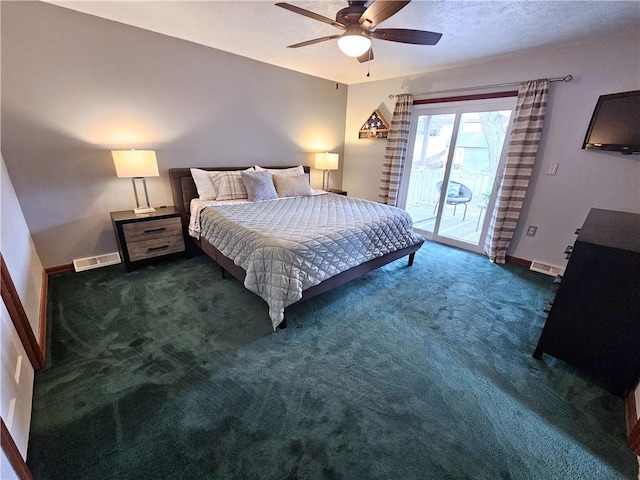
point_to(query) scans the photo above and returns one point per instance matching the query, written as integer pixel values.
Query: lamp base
(325, 180)
(139, 211)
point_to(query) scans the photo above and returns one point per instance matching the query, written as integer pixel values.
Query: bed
(288, 250)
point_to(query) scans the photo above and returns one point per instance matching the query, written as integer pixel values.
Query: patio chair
(457, 193)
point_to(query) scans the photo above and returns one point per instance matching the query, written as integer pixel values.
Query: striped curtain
(396, 150)
(523, 146)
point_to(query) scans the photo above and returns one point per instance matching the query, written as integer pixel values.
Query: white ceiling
(472, 30)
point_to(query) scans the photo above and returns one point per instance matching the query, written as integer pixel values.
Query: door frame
(450, 105)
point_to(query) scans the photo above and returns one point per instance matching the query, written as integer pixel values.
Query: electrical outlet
(531, 231)
(552, 169)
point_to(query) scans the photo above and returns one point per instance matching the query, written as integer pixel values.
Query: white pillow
(290, 172)
(202, 179)
(289, 186)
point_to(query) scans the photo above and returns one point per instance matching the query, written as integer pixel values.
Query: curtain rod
(566, 78)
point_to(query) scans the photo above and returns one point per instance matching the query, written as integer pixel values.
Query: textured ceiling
(472, 30)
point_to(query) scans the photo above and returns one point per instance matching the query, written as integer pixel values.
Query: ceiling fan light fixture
(354, 44)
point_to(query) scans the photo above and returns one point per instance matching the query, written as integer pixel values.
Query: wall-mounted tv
(615, 124)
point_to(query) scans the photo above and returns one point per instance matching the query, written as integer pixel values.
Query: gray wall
(585, 179)
(76, 86)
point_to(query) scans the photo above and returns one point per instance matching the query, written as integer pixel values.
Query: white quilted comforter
(291, 244)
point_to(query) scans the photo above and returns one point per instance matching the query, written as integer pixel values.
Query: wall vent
(88, 263)
(546, 269)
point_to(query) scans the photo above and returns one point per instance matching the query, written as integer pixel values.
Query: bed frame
(183, 190)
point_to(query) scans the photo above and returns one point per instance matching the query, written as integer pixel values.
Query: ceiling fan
(359, 22)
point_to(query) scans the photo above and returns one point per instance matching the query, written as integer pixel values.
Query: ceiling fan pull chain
(337, 67)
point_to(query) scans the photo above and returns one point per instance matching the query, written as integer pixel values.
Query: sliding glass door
(455, 152)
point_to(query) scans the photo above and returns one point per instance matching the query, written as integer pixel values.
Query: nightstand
(336, 191)
(149, 235)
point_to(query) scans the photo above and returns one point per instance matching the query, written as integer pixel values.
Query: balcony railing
(423, 190)
(423, 196)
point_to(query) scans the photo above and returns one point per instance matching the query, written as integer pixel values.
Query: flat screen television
(615, 124)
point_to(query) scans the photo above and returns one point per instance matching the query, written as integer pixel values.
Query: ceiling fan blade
(403, 35)
(366, 56)
(311, 42)
(307, 13)
(379, 11)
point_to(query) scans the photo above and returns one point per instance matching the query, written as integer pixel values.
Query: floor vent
(546, 269)
(88, 263)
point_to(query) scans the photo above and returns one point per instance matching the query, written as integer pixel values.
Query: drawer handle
(568, 250)
(155, 230)
(153, 249)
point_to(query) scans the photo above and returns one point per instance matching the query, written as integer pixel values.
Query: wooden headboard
(183, 188)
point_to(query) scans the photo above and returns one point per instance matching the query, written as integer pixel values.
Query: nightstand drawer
(155, 247)
(151, 229)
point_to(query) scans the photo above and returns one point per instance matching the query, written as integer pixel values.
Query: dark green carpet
(425, 372)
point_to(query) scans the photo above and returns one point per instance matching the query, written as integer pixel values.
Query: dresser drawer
(152, 229)
(155, 247)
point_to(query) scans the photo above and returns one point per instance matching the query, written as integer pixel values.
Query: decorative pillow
(259, 186)
(288, 186)
(229, 186)
(453, 190)
(290, 172)
(202, 179)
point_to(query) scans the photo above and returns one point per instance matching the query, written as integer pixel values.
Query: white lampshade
(327, 161)
(354, 44)
(135, 163)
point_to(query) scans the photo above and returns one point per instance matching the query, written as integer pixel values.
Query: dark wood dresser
(594, 322)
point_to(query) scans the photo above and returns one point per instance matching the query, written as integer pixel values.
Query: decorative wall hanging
(375, 127)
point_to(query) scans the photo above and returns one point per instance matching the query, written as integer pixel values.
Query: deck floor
(452, 226)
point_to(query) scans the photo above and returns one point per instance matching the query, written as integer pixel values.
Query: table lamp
(326, 161)
(137, 164)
